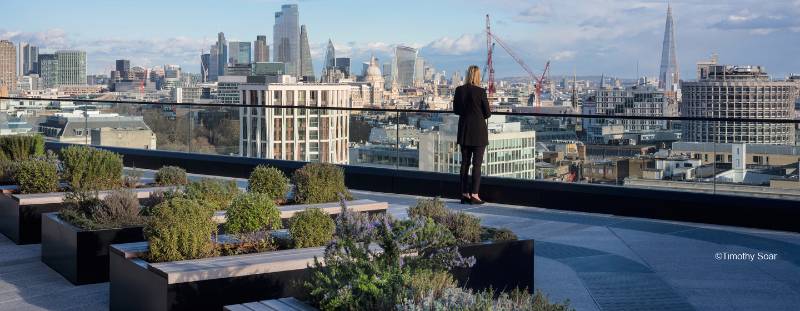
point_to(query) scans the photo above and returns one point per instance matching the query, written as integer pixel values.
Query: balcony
(608, 235)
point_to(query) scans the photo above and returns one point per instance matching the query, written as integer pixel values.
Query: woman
(472, 107)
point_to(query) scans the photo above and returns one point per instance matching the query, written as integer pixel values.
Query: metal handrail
(396, 110)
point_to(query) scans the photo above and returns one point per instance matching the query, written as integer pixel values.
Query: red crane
(490, 67)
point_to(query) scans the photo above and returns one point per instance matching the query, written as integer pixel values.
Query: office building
(269, 69)
(30, 59)
(295, 134)
(87, 125)
(405, 62)
(124, 68)
(228, 88)
(639, 100)
(239, 53)
(220, 49)
(213, 64)
(239, 70)
(419, 72)
(261, 50)
(48, 70)
(510, 152)
(330, 56)
(306, 65)
(8, 65)
(725, 91)
(286, 38)
(669, 76)
(343, 65)
(205, 63)
(71, 67)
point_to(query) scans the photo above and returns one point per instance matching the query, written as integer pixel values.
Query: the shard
(669, 77)
(306, 66)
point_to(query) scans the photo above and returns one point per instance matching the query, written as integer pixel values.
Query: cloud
(757, 23)
(563, 55)
(537, 13)
(466, 43)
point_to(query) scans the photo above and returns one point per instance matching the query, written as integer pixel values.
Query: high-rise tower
(330, 56)
(669, 76)
(8, 65)
(222, 54)
(261, 50)
(286, 38)
(306, 66)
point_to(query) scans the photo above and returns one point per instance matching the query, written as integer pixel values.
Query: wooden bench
(333, 208)
(282, 304)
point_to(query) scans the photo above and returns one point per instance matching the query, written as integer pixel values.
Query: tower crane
(491, 36)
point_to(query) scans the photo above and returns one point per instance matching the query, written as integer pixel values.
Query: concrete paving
(598, 262)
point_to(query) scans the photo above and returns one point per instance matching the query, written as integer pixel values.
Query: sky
(620, 38)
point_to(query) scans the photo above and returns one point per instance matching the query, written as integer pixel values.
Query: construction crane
(490, 36)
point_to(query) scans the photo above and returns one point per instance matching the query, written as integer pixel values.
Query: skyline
(588, 37)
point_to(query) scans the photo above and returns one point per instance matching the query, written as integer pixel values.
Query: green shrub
(36, 176)
(455, 298)
(214, 194)
(180, 229)
(171, 176)
(118, 209)
(424, 283)
(319, 183)
(90, 168)
(270, 181)
(494, 234)
(159, 196)
(21, 147)
(433, 208)
(465, 227)
(7, 169)
(252, 212)
(310, 228)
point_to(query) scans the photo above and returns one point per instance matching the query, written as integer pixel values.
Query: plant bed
(79, 255)
(212, 283)
(21, 214)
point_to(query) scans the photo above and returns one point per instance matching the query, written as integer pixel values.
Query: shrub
(465, 227)
(252, 212)
(90, 168)
(180, 229)
(171, 176)
(311, 227)
(319, 183)
(21, 147)
(36, 176)
(270, 181)
(456, 298)
(214, 194)
(158, 197)
(425, 283)
(119, 209)
(433, 208)
(502, 234)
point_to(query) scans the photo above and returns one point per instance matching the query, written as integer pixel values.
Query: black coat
(472, 106)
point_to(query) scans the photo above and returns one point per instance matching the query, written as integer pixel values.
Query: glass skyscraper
(71, 67)
(261, 50)
(286, 38)
(239, 53)
(222, 54)
(406, 61)
(306, 66)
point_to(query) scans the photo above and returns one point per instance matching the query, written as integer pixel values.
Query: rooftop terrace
(599, 262)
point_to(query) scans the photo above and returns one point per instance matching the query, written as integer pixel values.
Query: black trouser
(471, 155)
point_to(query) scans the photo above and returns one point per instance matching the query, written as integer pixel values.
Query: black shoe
(466, 200)
(474, 201)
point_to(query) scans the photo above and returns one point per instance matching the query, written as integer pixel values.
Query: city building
(123, 67)
(669, 76)
(639, 100)
(48, 70)
(87, 125)
(30, 59)
(261, 50)
(343, 65)
(330, 57)
(213, 63)
(219, 57)
(286, 38)
(205, 63)
(306, 65)
(228, 89)
(374, 78)
(295, 134)
(269, 69)
(419, 71)
(13, 125)
(239, 70)
(510, 152)
(71, 67)
(239, 53)
(725, 91)
(8, 65)
(405, 61)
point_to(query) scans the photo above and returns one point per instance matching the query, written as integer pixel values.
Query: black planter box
(21, 214)
(81, 256)
(212, 283)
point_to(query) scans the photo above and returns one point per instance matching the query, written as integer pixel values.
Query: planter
(21, 214)
(205, 284)
(212, 283)
(81, 256)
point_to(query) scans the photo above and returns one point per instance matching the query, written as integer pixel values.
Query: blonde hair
(473, 76)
